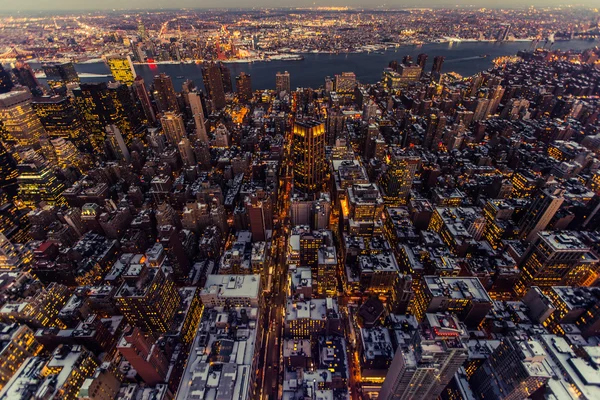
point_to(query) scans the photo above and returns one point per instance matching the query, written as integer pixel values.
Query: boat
(180, 77)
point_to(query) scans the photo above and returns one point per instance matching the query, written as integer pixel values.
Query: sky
(65, 5)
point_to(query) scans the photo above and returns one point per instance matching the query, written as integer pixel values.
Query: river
(463, 58)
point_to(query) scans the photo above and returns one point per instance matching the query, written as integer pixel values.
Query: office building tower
(20, 123)
(59, 377)
(213, 83)
(144, 354)
(142, 96)
(556, 259)
(226, 78)
(514, 371)
(66, 153)
(221, 137)
(401, 166)
(117, 143)
(540, 213)
(259, 210)
(18, 344)
(8, 173)
(186, 152)
(104, 384)
(59, 117)
(422, 61)
(164, 94)
(37, 182)
(121, 68)
(438, 62)
(409, 73)
(308, 154)
(495, 97)
(422, 370)
(172, 241)
(282, 82)
(148, 298)
(173, 127)
(345, 82)
(5, 81)
(26, 77)
(58, 76)
(198, 114)
(103, 104)
(243, 85)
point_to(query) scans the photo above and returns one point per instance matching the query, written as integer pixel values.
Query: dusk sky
(45, 5)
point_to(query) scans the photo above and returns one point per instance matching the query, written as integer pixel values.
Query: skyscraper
(148, 299)
(401, 168)
(141, 93)
(145, 355)
(37, 182)
(260, 214)
(60, 117)
(173, 127)
(422, 60)
(345, 83)
(555, 258)
(5, 82)
(186, 152)
(308, 154)
(243, 85)
(117, 143)
(282, 82)
(226, 78)
(103, 104)
(8, 173)
(539, 213)
(198, 114)
(213, 83)
(26, 77)
(121, 68)
(21, 124)
(58, 76)
(164, 94)
(424, 370)
(438, 62)
(513, 371)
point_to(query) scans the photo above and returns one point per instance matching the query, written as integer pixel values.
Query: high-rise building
(117, 143)
(540, 213)
(26, 77)
(345, 82)
(58, 76)
(308, 154)
(243, 85)
(8, 173)
(438, 62)
(213, 83)
(141, 94)
(553, 259)
(5, 81)
(121, 68)
(164, 94)
(170, 238)
(148, 298)
(66, 153)
(282, 82)
(144, 354)
(59, 116)
(103, 104)
(422, 61)
(18, 344)
(401, 168)
(186, 152)
(37, 182)
(173, 127)
(260, 215)
(514, 371)
(198, 114)
(226, 78)
(21, 124)
(422, 370)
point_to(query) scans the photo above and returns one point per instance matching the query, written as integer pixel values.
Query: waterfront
(464, 58)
